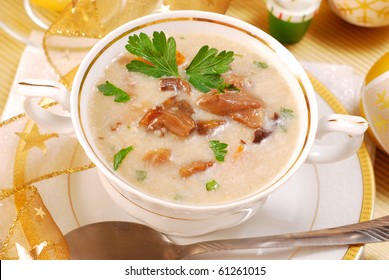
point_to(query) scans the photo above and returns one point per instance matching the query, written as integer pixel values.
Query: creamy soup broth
(247, 166)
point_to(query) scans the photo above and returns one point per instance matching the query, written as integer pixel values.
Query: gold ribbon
(32, 233)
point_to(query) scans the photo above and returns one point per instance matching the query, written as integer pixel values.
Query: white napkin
(340, 80)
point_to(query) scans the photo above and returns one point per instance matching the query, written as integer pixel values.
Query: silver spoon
(124, 240)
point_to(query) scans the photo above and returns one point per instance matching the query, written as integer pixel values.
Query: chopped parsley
(140, 175)
(109, 89)
(261, 64)
(219, 149)
(119, 156)
(212, 185)
(206, 68)
(286, 113)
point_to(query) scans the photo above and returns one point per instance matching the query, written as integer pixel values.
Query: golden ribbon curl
(47, 249)
(53, 248)
(28, 230)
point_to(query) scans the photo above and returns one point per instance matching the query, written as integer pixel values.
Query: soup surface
(178, 143)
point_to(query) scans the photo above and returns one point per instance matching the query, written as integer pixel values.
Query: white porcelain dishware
(374, 102)
(369, 14)
(170, 217)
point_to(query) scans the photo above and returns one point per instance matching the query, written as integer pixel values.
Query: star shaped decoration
(32, 254)
(35, 139)
(163, 8)
(39, 212)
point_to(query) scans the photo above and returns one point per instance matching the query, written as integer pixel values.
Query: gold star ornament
(32, 254)
(35, 139)
(39, 212)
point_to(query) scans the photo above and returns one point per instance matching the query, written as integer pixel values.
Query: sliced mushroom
(195, 167)
(175, 84)
(260, 134)
(174, 116)
(181, 105)
(150, 119)
(207, 127)
(251, 118)
(157, 157)
(227, 103)
(177, 122)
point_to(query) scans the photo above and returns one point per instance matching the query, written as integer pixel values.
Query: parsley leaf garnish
(119, 156)
(286, 112)
(140, 175)
(206, 68)
(261, 64)
(159, 51)
(109, 89)
(204, 71)
(212, 185)
(219, 149)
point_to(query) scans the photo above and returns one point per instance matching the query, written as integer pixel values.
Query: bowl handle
(353, 126)
(33, 90)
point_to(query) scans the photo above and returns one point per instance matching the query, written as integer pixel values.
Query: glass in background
(217, 6)
(39, 14)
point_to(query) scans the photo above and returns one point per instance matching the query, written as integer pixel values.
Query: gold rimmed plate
(317, 196)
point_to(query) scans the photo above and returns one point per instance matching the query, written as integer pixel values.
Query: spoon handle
(360, 233)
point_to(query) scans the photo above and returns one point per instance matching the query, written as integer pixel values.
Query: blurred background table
(328, 40)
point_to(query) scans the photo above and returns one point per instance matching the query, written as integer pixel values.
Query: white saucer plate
(317, 196)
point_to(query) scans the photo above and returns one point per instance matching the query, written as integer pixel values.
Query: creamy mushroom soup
(181, 142)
